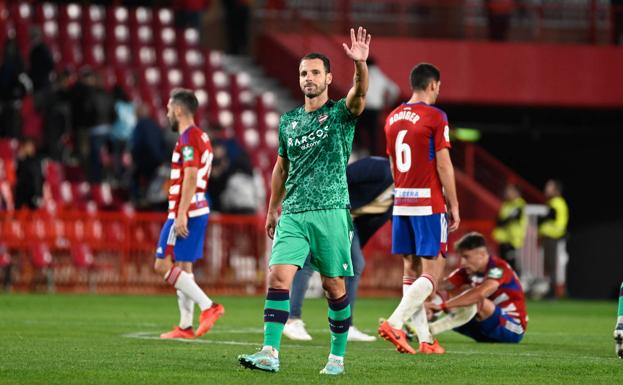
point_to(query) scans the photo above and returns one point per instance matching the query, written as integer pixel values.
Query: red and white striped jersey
(509, 296)
(414, 133)
(193, 149)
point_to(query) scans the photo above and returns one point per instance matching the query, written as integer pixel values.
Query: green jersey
(318, 145)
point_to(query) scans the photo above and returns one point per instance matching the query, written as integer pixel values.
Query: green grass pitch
(88, 339)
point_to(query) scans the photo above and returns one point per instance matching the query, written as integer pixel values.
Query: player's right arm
(446, 176)
(277, 192)
(473, 295)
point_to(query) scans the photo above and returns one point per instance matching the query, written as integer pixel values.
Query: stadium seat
(5, 257)
(40, 255)
(82, 256)
(102, 196)
(271, 138)
(142, 15)
(41, 261)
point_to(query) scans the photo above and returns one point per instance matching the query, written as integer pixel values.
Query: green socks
(276, 312)
(339, 322)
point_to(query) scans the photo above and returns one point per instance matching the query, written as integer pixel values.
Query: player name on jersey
(404, 115)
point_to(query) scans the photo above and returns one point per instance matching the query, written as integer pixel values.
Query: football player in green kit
(309, 181)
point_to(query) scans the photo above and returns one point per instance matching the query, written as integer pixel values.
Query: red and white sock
(185, 283)
(413, 299)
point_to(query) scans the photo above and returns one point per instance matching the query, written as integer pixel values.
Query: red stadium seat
(5, 257)
(140, 16)
(82, 256)
(40, 255)
(102, 196)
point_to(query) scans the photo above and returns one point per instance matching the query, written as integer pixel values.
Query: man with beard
(182, 235)
(315, 141)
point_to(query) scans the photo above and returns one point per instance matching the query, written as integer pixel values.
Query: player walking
(315, 141)
(182, 235)
(418, 145)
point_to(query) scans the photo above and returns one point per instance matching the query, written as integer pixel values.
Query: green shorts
(326, 233)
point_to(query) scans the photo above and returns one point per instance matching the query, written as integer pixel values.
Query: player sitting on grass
(487, 300)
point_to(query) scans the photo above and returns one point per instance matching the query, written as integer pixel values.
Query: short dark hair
(422, 74)
(470, 241)
(186, 98)
(316, 55)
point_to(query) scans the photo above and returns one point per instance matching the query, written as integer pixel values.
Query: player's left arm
(474, 295)
(358, 52)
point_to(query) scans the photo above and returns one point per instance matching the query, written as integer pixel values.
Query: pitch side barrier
(112, 252)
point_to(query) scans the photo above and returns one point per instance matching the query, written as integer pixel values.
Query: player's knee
(334, 287)
(278, 281)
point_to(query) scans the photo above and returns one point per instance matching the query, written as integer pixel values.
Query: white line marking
(155, 336)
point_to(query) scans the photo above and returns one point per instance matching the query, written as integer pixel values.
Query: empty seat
(40, 255)
(81, 255)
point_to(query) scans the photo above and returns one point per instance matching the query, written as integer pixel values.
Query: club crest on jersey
(188, 153)
(294, 124)
(322, 118)
(495, 273)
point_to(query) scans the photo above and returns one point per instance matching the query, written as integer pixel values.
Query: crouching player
(486, 298)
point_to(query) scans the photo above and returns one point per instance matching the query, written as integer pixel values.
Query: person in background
(510, 229)
(243, 194)
(100, 108)
(121, 130)
(55, 106)
(499, 13)
(148, 150)
(383, 92)
(41, 63)
(29, 186)
(14, 85)
(237, 19)
(552, 231)
(188, 13)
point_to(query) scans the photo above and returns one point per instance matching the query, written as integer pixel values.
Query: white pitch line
(154, 336)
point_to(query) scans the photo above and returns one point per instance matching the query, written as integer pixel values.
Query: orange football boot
(396, 337)
(178, 332)
(208, 317)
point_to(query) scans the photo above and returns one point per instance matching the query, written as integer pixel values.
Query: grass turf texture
(85, 339)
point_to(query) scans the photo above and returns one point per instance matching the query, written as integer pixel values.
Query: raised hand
(360, 45)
